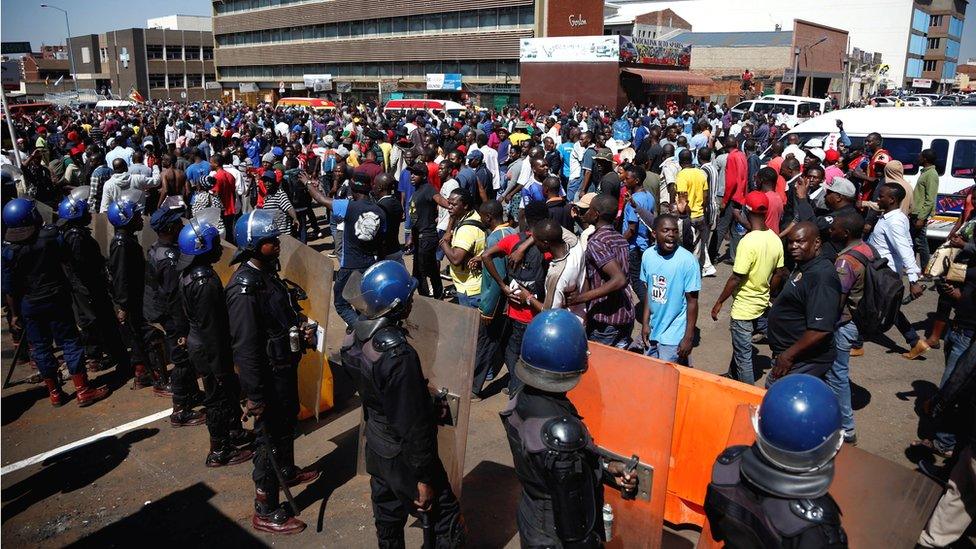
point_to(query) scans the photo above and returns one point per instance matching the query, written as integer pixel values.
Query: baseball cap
(831, 155)
(268, 157)
(603, 154)
(841, 186)
(277, 151)
(882, 158)
(475, 155)
(819, 153)
(757, 202)
(585, 200)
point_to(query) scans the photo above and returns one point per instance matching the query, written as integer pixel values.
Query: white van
(949, 131)
(796, 110)
(824, 105)
(112, 104)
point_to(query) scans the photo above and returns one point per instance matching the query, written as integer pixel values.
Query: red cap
(757, 202)
(72, 136)
(831, 155)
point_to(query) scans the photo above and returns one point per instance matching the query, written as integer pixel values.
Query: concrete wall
(824, 58)
(734, 59)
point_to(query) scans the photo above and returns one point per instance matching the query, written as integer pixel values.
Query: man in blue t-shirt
(673, 279)
(636, 228)
(566, 150)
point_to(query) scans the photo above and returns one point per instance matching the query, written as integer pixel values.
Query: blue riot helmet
(384, 288)
(252, 230)
(798, 424)
(75, 205)
(554, 351)
(198, 237)
(127, 207)
(21, 219)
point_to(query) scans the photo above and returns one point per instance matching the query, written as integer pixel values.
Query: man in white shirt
(892, 240)
(125, 153)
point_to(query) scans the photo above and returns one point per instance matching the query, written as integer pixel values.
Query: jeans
(667, 353)
(838, 377)
(469, 300)
(45, 323)
(343, 307)
(574, 187)
(636, 284)
(439, 253)
(513, 349)
(742, 350)
(907, 330)
(700, 231)
(614, 335)
(920, 242)
(490, 352)
(425, 265)
(956, 343)
(722, 228)
(306, 219)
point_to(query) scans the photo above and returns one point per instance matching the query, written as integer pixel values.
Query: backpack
(883, 291)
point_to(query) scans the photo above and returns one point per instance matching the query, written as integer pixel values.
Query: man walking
(923, 204)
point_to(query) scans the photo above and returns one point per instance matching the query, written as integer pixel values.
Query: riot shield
(445, 336)
(882, 503)
(628, 404)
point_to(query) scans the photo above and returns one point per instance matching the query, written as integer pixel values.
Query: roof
(661, 76)
(736, 39)
(52, 64)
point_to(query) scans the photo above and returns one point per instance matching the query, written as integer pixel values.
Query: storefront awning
(658, 76)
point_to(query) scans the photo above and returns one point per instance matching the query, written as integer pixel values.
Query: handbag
(942, 259)
(956, 272)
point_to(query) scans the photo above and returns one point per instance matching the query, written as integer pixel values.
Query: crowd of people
(614, 217)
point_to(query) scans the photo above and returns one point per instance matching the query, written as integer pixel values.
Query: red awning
(658, 76)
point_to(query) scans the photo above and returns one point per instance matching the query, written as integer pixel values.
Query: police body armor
(196, 345)
(788, 511)
(87, 273)
(38, 274)
(162, 302)
(560, 473)
(279, 312)
(365, 345)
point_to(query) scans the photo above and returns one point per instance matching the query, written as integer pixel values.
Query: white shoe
(711, 271)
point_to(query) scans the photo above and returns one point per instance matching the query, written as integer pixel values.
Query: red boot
(54, 391)
(272, 518)
(85, 393)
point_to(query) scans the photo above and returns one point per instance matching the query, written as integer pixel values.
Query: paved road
(151, 484)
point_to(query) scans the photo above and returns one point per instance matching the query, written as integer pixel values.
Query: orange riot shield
(704, 414)
(627, 402)
(882, 503)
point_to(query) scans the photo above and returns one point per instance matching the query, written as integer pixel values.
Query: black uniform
(562, 492)
(127, 266)
(162, 305)
(209, 349)
(90, 295)
(743, 515)
(401, 432)
(261, 314)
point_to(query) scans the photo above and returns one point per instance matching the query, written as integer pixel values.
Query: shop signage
(212, 85)
(440, 81)
(569, 49)
(343, 87)
(511, 89)
(248, 87)
(577, 20)
(317, 82)
(298, 86)
(654, 52)
(921, 82)
(789, 76)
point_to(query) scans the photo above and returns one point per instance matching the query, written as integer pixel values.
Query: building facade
(160, 63)
(933, 48)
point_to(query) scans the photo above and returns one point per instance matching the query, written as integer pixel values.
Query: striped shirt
(280, 203)
(602, 247)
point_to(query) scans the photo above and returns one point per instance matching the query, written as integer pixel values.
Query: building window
(208, 52)
(157, 80)
(920, 21)
(929, 65)
(948, 70)
(934, 43)
(154, 52)
(194, 80)
(174, 53)
(952, 49)
(103, 55)
(913, 68)
(955, 27)
(935, 21)
(192, 53)
(916, 44)
(85, 54)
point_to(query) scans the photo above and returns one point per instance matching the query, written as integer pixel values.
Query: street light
(67, 44)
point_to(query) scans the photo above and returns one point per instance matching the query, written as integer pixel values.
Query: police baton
(430, 538)
(263, 435)
(13, 360)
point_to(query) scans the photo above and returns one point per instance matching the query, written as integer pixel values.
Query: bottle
(607, 522)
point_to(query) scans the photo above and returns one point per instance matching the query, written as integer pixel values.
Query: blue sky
(26, 20)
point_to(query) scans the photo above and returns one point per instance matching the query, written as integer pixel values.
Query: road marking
(68, 447)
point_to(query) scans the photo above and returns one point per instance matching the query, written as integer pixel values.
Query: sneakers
(850, 438)
(710, 271)
(918, 350)
(223, 454)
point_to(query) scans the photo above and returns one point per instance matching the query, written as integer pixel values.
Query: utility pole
(67, 39)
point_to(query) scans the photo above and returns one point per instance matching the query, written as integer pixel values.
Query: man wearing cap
(758, 270)
(838, 197)
(832, 167)
(475, 177)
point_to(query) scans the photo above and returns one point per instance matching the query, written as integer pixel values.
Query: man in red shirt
(736, 185)
(226, 190)
(370, 166)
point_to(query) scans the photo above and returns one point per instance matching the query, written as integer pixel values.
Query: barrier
(628, 403)
(882, 503)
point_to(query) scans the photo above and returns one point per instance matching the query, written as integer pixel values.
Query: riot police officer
(407, 476)
(163, 305)
(774, 493)
(89, 284)
(38, 296)
(555, 459)
(208, 343)
(264, 328)
(127, 268)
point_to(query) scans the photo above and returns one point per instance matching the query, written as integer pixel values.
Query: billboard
(317, 82)
(447, 82)
(644, 51)
(582, 49)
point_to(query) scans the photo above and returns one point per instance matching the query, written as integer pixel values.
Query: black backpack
(883, 291)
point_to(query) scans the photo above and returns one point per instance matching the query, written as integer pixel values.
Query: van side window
(906, 150)
(964, 158)
(744, 106)
(803, 110)
(941, 149)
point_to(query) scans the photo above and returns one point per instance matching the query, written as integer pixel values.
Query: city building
(897, 29)
(269, 48)
(58, 51)
(173, 62)
(656, 25)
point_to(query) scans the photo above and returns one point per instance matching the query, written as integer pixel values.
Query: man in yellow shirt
(460, 244)
(757, 270)
(691, 186)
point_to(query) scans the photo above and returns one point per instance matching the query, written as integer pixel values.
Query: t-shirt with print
(694, 182)
(363, 232)
(471, 238)
(668, 279)
(642, 238)
(423, 211)
(759, 254)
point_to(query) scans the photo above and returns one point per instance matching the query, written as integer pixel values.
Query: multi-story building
(271, 46)
(656, 25)
(174, 63)
(934, 46)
